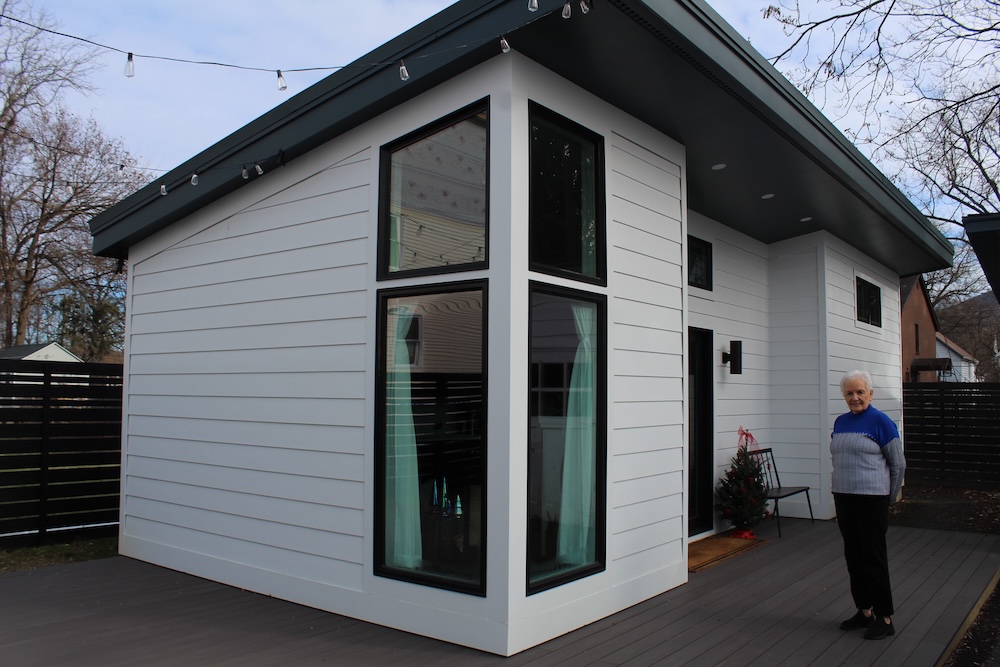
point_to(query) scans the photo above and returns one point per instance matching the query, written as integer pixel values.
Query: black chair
(775, 491)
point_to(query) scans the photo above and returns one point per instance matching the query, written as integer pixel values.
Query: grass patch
(31, 558)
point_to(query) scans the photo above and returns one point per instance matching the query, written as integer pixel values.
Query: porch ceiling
(674, 64)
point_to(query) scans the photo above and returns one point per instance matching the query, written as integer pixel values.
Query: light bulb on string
(130, 66)
(504, 46)
(532, 5)
(567, 10)
(259, 169)
(584, 6)
(69, 191)
(245, 174)
(194, 179)
(163, 190)
(282, 86)
(404, 75)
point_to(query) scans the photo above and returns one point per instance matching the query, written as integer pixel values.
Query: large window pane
(431, 453)
(566, 198)
(435, 197)
(566, 475)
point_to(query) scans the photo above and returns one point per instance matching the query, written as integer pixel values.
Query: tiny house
(459, 340)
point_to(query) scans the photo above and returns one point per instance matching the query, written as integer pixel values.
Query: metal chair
(775, 491)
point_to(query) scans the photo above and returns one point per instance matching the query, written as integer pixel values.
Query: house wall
(962, 368)
(851, 344)
(736, 308)
(647, 547)
(917, 334)
(249, 424)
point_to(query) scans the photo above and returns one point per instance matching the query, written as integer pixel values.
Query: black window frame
(868, 302)
(601, 468)
(385, 185)
(380, 569)
(600, 193)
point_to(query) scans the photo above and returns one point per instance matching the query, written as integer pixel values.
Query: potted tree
(741, 496)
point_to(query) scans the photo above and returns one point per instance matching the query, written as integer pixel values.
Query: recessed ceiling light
(719, 167)
(767, 196)
(808, 218)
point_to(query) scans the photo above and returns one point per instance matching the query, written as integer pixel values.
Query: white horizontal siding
(797, 345)
(647, 443)
(248, 348)
(736, 308)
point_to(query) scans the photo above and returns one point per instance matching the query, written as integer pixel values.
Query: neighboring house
(469, 352)
(962, 366)
(974, 324)
(921, 361)
(40, 352)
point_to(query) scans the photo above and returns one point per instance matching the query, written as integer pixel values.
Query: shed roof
(984, 235)
(674, 64)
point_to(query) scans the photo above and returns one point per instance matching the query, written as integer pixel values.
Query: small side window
(869, 302)
(699, 263)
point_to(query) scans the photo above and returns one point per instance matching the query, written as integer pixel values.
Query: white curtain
(402, 493)
(577, 508)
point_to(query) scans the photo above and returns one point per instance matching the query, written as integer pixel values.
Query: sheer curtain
(577, 510)
(402, 493)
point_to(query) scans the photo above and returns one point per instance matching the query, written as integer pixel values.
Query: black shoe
(858, 621)
(880, 629)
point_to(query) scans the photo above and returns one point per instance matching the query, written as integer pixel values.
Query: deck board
(777, 604)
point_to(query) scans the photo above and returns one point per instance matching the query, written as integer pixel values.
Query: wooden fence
(60, 450)
(952, 434)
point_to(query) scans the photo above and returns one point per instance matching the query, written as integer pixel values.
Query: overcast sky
(170, 111)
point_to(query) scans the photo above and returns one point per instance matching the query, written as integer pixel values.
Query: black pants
(863, 522)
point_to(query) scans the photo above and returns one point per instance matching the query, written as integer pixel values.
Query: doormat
(715, 549)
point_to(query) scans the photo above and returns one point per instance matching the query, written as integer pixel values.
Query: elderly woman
(868, 467)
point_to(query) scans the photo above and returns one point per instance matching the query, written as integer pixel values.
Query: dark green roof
(674, 64)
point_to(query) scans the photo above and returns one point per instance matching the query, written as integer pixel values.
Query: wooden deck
(777, 604)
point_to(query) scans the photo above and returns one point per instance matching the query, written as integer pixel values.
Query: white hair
(854, 375)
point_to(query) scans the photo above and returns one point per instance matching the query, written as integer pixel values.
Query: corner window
(566, 198)
(433, 216)
(869, 302)
(431, 437)
(566, 469)
(699, 263)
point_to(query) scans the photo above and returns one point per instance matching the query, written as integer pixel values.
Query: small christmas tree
(741, 497)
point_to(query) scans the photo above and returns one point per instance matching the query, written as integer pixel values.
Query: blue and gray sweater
(867, 455)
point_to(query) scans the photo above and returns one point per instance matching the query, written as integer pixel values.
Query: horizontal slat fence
(952, 433)
(60, 450)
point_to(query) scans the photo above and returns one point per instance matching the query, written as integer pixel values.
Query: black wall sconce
(734, 357)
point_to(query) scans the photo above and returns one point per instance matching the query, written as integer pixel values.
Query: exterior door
(701, 431)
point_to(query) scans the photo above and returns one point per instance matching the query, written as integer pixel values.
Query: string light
(585, 6)
(404, 75)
